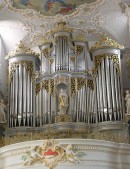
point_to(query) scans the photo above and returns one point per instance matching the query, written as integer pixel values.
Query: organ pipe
(34, 101)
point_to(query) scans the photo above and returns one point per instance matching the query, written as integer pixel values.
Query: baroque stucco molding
(31, 13)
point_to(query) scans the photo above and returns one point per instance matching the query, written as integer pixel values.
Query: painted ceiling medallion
(50, 154)
(51, 7)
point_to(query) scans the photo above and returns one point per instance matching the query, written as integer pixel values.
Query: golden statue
(62, 102)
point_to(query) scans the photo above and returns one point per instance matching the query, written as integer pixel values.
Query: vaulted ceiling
(29, 20)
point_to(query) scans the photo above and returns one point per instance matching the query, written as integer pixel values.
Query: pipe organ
(64, 89)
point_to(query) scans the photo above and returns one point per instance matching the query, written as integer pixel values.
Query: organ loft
(69, 87)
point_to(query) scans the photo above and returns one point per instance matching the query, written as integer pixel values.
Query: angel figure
(71, 156)
(31, 156)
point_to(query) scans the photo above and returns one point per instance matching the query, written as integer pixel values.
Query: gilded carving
(97, 62)
(49, 87)
(115, 60)
(76, 84)
(73, 89)
(27, 64)
(50, 153)
(62, 79)
(61, 26)
(80, 83)
(106, 42)
(113, 57)
(45, 85)
(21, 49)
(63, 118)
(90, 84)
(79, 49)
(52, 89)
(37, 88)
(45, 52)
(52, 134)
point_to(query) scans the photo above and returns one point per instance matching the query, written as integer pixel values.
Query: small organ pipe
(24, 91)
(13, 94)
(20, 91)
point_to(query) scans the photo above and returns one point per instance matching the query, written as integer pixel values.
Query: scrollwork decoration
(45, 84)
(45, 52)
(113, 57)
(90, 84)
(52, 87)
(80, 83)
(27, 64)
(79, 49)
(73, 89)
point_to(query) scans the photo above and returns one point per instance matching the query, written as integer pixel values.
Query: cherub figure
(70, 155)
(31, 156)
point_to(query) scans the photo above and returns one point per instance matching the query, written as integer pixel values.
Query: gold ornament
(50, 154)
(106, 42)
(21, 49)
(51, 134)
(90, 84)
(80, 83)
(49, 87)
(73, 89)
(63, 118)
(79, 49)
(27, 64)
(113, 57)
(61, 27)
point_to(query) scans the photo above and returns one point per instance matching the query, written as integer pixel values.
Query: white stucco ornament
(50, 154)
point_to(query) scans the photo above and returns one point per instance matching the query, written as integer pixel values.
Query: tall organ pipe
(108, 84)
(21, 89)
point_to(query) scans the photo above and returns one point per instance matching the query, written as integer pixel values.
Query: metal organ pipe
(21, 90)
(34, 102)
(108, 84)
(24, 96)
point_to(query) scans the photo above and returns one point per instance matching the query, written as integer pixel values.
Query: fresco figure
(28, 3)
(59, 7)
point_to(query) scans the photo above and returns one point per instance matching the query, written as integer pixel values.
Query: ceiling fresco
(51, 7)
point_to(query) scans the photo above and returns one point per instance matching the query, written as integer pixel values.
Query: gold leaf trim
(45, 84)
(21, 49)
(99, 58)
(90, 84)
(27, 64)
(106, 42)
